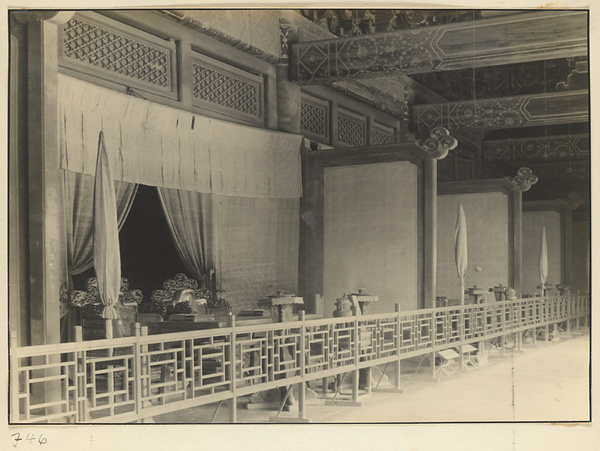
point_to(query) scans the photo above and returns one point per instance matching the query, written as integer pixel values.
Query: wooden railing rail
(133, 378)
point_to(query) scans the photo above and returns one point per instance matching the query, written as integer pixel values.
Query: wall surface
(533, 221)
(580, 256)
(487, 218)
(371, 234)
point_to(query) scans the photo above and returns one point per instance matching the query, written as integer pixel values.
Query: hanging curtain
(107, 256)
(194, 220)
(79, 220)
(79, 216)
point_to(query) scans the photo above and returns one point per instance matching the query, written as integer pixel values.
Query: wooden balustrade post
(397, 373)
(232, 371)
(503, 329)
(461, 334)
(80, 406)
(302, 391)
(547, 309)
(137, 374)
(356, 379)
(15, 414)
(432, 338)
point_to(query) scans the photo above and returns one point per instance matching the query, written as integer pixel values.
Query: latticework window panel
(381, 135)
(314, 118)
(351, 130)
(106, 49)
(225, 90)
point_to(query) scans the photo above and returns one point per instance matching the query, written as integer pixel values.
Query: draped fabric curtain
(194, 221)
(79, 219)
(79, 212)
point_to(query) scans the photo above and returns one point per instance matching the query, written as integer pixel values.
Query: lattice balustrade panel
(35, 375)
(383, 338)
(112, 52)
(474, 320)
(318, 351)
(493, 316)
(110, 383)
(252, 353)
(209, 369)
(408, 342)
(381, 135)
(166, 375)
(447, 326)
(342, 344)
(314, 118)
(352, 130)
(230, 90)
(286, 353)
(423, 330)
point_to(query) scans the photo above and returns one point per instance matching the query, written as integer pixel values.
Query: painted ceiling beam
(488, 42)
(505, 112)
(542, 148)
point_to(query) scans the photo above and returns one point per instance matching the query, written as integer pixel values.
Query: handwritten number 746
(30, 438)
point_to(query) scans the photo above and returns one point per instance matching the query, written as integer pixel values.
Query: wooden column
(47, 251)
(288, 102)
(517, 232)
(430, 234)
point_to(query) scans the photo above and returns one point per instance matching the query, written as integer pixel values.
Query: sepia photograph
(283, 215)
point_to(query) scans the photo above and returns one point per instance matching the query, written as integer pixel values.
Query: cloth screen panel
(250, 243)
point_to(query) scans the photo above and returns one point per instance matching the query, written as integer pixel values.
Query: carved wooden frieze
(380, 134)
(352, 129)
(507, 112)
(500, 40)
(227, 89)
(314, 118)
(111, 50)
(541, 148)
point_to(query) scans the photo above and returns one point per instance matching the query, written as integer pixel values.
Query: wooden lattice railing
(129, 379)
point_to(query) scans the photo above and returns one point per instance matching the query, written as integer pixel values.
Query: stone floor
(549, 383)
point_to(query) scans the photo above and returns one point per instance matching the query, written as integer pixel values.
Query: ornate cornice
(438, 144)
(523, 180)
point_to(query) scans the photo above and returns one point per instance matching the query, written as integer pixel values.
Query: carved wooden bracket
(438, 144)
(523, 180)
